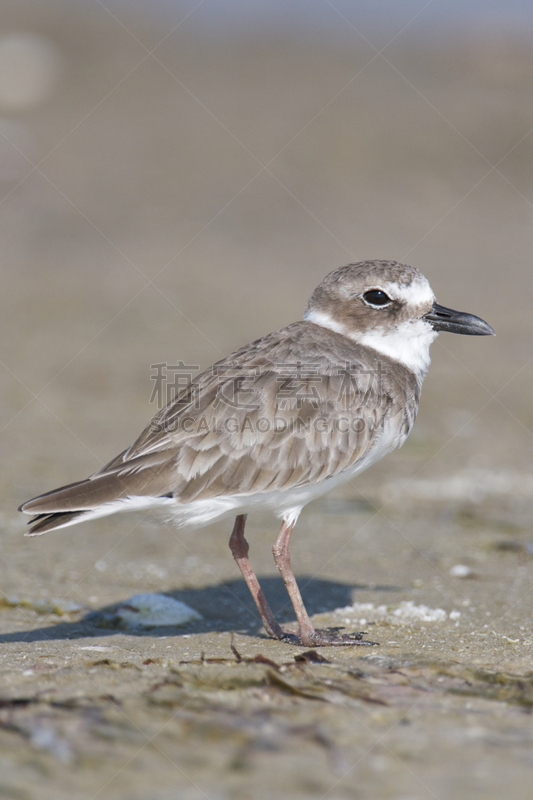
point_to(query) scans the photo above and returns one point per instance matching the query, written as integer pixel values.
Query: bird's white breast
(408, 344)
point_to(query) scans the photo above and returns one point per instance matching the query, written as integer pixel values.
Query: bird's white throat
(407, 343)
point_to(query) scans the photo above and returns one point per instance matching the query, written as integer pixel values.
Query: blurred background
(176, 178)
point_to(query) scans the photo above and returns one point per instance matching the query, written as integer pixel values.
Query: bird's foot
(326, 637)
(289, 637)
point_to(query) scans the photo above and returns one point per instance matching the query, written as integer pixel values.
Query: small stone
(460, 571)
(151, 610)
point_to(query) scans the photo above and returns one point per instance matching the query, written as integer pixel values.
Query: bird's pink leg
(239, 548)
(308, 635)
(282, 558)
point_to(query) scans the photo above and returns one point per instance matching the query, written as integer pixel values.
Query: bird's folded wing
(261, 420)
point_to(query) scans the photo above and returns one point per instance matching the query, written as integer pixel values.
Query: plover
(279, 422)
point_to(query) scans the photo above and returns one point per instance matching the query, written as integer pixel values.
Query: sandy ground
(172, 206)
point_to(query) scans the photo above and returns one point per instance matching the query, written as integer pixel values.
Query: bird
(280, 422)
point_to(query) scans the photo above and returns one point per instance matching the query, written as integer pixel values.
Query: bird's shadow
(224, 606)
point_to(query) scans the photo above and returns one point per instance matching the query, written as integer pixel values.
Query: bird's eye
(376, 297)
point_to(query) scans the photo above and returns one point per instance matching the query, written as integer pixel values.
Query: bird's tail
(141, 483)
(71, 504)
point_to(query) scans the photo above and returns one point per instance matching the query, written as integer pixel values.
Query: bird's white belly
(285, 504)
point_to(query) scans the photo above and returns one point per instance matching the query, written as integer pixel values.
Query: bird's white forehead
(416, 293)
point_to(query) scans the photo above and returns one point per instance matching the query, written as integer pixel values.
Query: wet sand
(181, 206)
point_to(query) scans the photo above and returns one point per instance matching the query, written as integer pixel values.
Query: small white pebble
(460, 571)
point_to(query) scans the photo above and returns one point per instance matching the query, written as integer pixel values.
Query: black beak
(446, 319)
